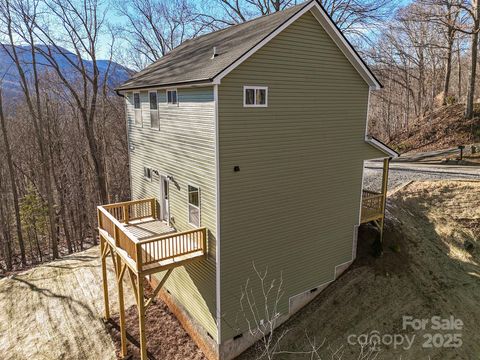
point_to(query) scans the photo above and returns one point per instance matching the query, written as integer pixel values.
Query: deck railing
(173, 245)
(128, 211)
(113, 220)
(372, 204)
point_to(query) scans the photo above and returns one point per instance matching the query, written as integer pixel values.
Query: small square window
(193, 205)
(172, 96)
(255, 96)
(147, 173)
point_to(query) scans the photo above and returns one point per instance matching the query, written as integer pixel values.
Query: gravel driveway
(403, 172)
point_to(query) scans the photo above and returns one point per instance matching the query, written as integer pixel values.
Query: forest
(62, 126)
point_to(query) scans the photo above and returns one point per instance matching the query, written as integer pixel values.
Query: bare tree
(352, 17)
(11, 172)
(446, 16)
(5, 235)
(415, 59)
(19, 18)
(153, 28)
(66, 119)
(81, 24)
(474, 10)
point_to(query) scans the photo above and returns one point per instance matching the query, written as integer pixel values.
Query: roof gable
(192, 62)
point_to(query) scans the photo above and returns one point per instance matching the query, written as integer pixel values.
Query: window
(172, 96)
(137, 109)
(193, 205)
(255, 96)
(154, 118)
(136, 100)
(147, 173)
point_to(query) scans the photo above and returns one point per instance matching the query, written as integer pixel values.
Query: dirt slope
(425, 271)
(439, 129)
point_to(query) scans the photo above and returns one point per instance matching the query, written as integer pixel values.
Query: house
(246, 146)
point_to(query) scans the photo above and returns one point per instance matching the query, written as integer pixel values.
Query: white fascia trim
(217, 79)
(382, 147)
(217, 219)
(331, 30)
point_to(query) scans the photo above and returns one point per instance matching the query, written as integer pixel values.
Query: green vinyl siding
(184, 148)
(294, 203)
(371, 152)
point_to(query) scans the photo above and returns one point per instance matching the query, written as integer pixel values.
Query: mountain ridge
(11, 79)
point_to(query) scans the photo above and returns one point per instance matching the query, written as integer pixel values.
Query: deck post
(103, 253)
(121, 307)
(386, 165)
(126, 213)
(141, 317)
(154, 208)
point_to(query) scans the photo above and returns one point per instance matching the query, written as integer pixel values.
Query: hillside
(442, 128)
(9, 73)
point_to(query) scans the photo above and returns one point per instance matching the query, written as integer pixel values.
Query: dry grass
(442, 128)
(54, 311)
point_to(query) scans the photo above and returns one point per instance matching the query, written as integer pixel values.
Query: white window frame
(255, 88)
(196, 207)
(157, 110)
(176, 97)
(135, 110)
(145, 168)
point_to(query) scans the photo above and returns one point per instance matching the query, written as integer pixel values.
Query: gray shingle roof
(192, 61)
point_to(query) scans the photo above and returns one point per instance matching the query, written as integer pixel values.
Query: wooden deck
(145, 243)
(372, 206)
(141, 245)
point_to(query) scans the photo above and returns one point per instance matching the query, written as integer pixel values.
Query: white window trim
(149, 179)
(166, 97)
(255, 88)
(135, 109)
(157, 110)
(197, 207)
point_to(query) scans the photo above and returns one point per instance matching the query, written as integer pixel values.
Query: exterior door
(164, 205)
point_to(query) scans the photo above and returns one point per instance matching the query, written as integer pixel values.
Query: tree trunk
(7, 244)
(448, 67)
(459, 66)
(469, 113)
(11, 171)
(98, 163)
